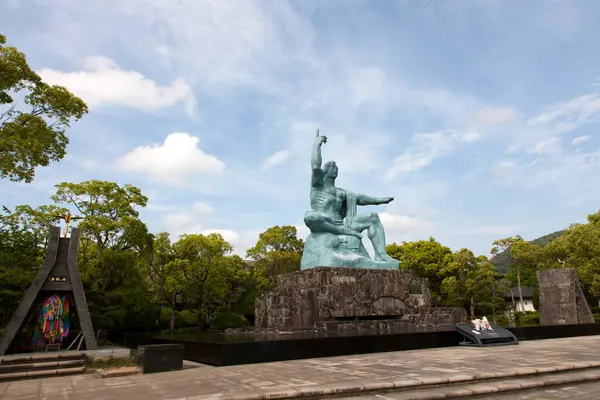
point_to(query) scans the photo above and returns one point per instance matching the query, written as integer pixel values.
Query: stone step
(489, 388)
(30, 358)
(443, 387)
(43, 365)
(38, 374)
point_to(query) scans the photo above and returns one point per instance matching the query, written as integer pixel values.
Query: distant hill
(502, 260)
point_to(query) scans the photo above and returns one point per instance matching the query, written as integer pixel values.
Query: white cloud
(369, 85)
(354, 153)
(229, 235)
(418, 198)
(426, 147)
(195, 218)
(203, 208)
(104, 84)
(275, 159)
(541, 133)
(585, 161)
(179, 156)
(548, 146)
(496, 115)
(571, 170)
(159, 207)
(302, 231)
(178, 223)
(402, 223)
(494, 230)
(504, 168)
(579, 140)
(349, 149)
(569, 115)
(215, 44)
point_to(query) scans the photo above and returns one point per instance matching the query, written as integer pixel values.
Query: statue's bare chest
(328, 195)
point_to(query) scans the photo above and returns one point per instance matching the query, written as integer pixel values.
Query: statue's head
(330, 170)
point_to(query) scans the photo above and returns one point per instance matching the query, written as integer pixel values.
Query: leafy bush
(501, 320)
(597, 317)
(189, 329)
(112, 362)
(530, 318)
(536, 298)
(165, 315)
(518, 315)
(187, 318)
(226, 319)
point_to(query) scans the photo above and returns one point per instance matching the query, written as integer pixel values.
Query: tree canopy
(579, 248)
(277, 251)
(426, 258)
(34, 117)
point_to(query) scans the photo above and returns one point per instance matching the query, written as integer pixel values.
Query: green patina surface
(336, 228)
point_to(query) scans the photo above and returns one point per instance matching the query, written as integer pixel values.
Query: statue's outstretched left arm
(364, 200)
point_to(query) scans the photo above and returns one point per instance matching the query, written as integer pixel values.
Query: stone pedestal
(561, 298)
(337, 299)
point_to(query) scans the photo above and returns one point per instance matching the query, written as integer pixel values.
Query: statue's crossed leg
(320, 222)
(375, 231)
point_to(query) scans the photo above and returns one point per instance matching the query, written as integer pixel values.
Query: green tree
(174, 285)
(111, 217)
(472, 282)
(277, 251)
(454, 285)
(33, 222)
(427, 259)
(115, 250)
(486, 288)
(525, 258)
(164, 275)
(23, 238)
(208, 273)
(578, 248)
(36, 136)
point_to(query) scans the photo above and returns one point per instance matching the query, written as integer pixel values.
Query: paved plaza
(347, 374)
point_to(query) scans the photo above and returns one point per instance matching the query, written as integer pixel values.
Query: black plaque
(496, 336)
(161, 357)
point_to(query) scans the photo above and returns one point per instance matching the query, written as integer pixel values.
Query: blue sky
(480, 117)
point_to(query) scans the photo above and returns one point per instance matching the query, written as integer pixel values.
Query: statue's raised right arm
(316, 160)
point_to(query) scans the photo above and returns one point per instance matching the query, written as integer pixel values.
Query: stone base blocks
(339, 299)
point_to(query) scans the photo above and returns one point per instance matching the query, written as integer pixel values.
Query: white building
(514, 302)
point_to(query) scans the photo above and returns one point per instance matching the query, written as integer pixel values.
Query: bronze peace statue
(335, 238)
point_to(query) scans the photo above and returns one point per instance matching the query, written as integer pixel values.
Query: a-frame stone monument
(562, 300)
(59, 274)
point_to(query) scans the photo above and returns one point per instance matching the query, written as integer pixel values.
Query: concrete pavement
(366, 375)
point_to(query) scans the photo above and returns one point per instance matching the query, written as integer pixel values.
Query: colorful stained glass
(53, 322)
